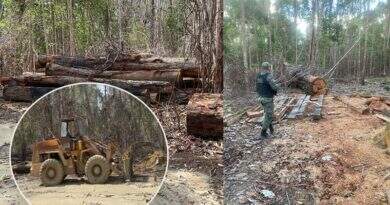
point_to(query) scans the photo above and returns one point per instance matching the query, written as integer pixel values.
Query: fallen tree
(135, 87)
(24, 93)
(123, 63)
(299, 77)
(205, 115)
(43, 60)
(173, 76)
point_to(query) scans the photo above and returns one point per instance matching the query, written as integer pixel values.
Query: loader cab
(68, 128)
(69, 133)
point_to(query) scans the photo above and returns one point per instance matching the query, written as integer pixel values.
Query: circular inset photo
(89, 143)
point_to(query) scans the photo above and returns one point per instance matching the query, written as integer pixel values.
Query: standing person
(267, 88)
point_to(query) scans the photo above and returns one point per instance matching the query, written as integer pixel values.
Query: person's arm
(273, 83)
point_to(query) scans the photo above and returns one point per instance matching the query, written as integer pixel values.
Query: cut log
(135, 87)
(301, 79)
(173, 76)
(124, 63)
(355, 104)
(43, 60)
(311, 85)
(205, 115)
(24, 93)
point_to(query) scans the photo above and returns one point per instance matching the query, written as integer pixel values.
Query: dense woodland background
(102, 112)
(179, 28)
(312, 33)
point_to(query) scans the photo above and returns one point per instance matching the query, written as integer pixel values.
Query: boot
(271, 129)
(264, 133)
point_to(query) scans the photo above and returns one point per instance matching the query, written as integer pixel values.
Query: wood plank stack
(205, 115)
(139, 73)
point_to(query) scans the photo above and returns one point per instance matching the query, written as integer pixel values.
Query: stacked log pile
(141, 74)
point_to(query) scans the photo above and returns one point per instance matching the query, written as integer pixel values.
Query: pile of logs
(139, 73)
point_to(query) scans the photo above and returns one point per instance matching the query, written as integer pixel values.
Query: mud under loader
(55, 158)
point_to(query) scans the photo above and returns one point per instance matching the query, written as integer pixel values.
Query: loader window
(64, 129)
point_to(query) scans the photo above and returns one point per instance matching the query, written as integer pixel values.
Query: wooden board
(296, 107)
(302, 108)
(280, 114)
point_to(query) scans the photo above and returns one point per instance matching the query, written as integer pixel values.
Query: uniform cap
(265, 65)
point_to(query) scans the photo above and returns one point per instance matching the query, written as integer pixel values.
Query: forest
(176, 28)
(101, 112)
(352, 37)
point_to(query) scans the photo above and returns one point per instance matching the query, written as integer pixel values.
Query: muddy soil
(194, 175)
(333, 161)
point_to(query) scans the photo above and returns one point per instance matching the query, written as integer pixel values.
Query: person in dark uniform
(267, 88)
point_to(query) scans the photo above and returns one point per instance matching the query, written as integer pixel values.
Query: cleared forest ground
(336, 160)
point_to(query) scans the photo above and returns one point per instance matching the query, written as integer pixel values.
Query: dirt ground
(194, 175)
(78, 191)
(336, 160)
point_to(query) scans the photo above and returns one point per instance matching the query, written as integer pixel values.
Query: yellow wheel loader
(55, 158)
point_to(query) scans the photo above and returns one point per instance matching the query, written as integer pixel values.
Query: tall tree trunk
(243, 35)
(364, 67)
(312, 46)
(218, 54)
(153, 25)
(72, 48)
(120, 30)
(296, 30)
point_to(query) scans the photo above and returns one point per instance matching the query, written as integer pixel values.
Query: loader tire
(51, 172)
(97, 169)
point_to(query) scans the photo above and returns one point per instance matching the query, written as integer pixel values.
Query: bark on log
(173, 76)
(69, 61)
(127, 63)
(205, 115)
(301, 79)
(135, 87)
(24, 93)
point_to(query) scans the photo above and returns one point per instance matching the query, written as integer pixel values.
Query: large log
(298, 77)
(205, 115)
(135, 87)
(88, 62)
(24, 93)
(130, 63)
(173, 76)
